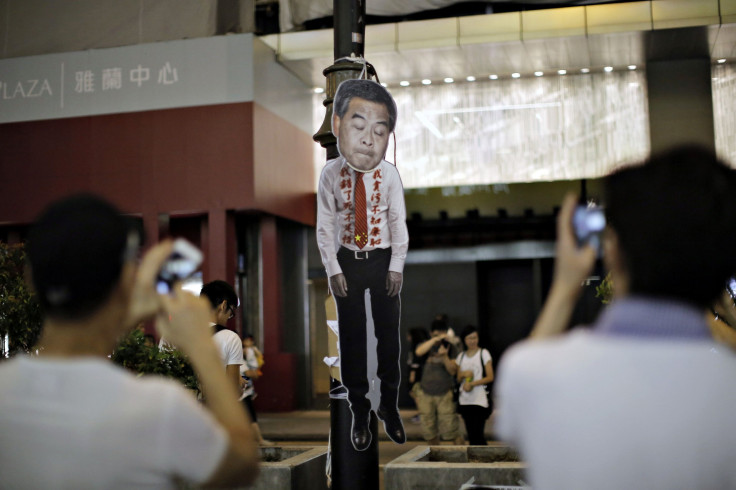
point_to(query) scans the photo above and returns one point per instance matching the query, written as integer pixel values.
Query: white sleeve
(326, 219)
(251, 361)
(193, 444)
(486, 357)
(397, 222)
(234, 349)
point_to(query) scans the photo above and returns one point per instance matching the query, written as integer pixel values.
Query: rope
(328, 465)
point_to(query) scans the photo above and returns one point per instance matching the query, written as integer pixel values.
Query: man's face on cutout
(362, 133)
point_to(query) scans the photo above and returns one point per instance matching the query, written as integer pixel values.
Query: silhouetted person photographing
(72, 419)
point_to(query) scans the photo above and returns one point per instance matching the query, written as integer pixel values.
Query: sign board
(205, 71)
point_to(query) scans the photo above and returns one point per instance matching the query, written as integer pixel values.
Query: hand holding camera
(162, 266)
(573, 264)
(574, 254)
(182, 319)
(441, 345)
(182, 262)
(588, 223)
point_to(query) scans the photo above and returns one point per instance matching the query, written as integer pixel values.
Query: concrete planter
(449, 467)
(292, 467)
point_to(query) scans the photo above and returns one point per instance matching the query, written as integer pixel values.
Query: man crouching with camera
(72, 419)
(435, 390)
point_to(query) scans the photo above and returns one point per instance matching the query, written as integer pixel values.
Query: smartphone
(184, 260)
(588, 223)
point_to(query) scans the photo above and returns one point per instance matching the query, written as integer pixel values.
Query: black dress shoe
(392, 424)
(360, 435)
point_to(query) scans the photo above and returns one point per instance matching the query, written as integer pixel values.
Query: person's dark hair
(469, 329)
(675, 217)
(439, 326)
(76, 251)
(418, 335)
(219, 291)
(364, 89)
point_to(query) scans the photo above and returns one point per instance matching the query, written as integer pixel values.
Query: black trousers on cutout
(368, 270)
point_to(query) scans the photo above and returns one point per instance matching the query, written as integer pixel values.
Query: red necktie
(361, 218)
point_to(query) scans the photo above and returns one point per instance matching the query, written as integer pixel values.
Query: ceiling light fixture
(470, 78)
(493, 77)
(319, 90)
(632, 67)
(516, 75)
(562, 72)
(426, 81)
(538, 73)
(449, 80)
(608, 69)
(384, 84)
(722, 60)
(585, 70)
(404, 83)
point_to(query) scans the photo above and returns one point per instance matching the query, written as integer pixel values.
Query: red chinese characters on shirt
(346, 188)
(375, 231)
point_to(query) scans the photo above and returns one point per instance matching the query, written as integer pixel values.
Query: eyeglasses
(231, 309)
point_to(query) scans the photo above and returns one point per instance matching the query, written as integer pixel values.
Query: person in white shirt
(72, 419)
(475, 371)
(643, 399)
(363, 240)
(223, 303)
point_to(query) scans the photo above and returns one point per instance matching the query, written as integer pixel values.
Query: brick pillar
(277, 387)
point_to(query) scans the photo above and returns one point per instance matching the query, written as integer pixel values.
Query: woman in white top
(475, 370)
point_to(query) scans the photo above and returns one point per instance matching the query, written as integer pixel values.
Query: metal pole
(349, 33)
(351, 469)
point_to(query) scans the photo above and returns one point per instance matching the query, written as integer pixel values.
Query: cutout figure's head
(364, 115)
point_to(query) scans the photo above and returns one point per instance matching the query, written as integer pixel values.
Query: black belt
(364, 254)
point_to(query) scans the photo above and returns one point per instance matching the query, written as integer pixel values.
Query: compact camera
(588, 223)
(436, 347)
(184, 260)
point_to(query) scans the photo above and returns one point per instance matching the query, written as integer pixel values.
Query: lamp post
(351, 469)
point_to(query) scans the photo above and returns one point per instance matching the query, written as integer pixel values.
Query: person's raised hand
(573, 264)
(144, 301)
(183, 320)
